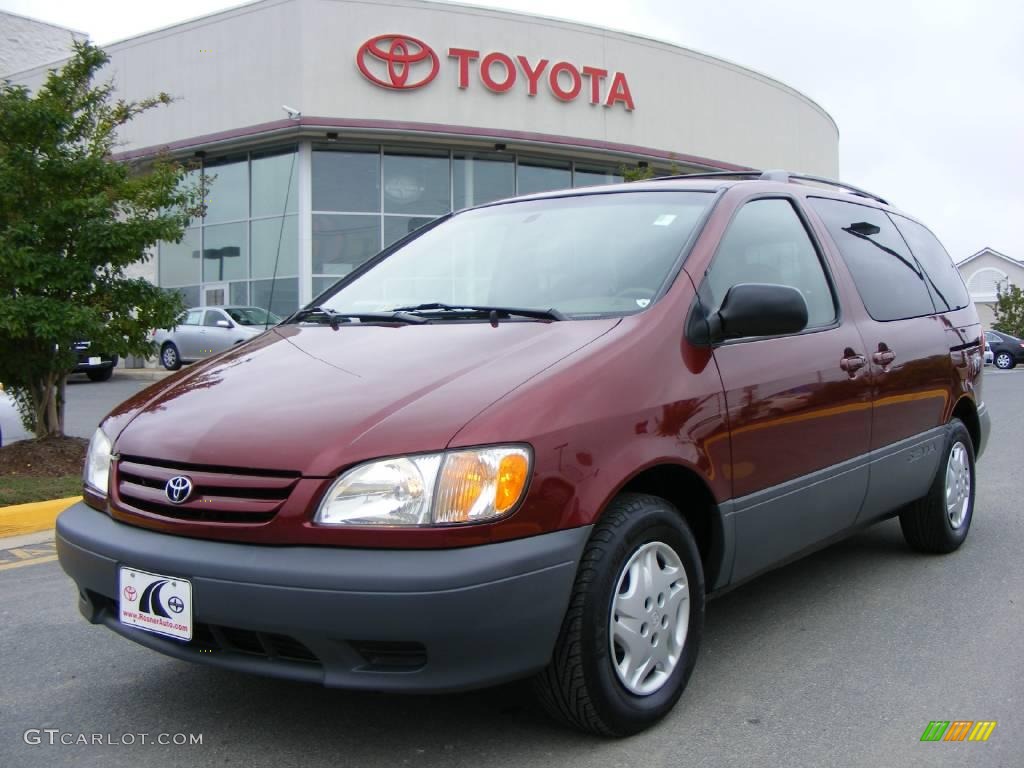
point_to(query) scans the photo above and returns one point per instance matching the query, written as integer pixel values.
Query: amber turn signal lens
(481, 484)
(512, 476)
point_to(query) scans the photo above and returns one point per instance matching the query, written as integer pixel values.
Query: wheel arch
(966, 410)
(685, 488)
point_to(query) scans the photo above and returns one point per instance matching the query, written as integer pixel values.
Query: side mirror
(224, 324)
(759, 309)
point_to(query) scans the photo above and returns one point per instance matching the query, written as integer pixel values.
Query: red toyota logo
(391, 60)
(129, 593)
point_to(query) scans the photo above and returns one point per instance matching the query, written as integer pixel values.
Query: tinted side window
(212, 316)
(948, 290)
(889, 280)
(766, 243)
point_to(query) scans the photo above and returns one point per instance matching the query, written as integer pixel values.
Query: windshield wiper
(437, 306)
(337, 318)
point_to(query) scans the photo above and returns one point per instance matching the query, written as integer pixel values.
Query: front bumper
(84, 366)
(397, 620)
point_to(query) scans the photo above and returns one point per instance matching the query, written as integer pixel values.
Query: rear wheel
(939, 521)
(169, 357)
(630, 637)
(1005, 361)
(100, 374)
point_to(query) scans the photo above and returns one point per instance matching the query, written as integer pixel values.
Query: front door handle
(884, 356)
(852, 363)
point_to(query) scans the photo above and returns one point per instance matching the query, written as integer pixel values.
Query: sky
(928, 94)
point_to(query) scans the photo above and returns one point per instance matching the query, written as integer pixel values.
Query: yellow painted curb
(29, 518)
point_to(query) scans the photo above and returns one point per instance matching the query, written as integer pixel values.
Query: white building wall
(235, 69)
(28, 43)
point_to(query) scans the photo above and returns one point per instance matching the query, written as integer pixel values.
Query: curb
(142, 374)
(20, 519)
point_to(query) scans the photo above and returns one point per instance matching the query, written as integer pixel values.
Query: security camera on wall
(293, 114)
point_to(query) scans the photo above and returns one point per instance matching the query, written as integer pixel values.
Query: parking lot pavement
(87, 403)
(841, 658)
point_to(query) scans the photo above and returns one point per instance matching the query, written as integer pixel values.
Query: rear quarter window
(947, 287)
(890, 282)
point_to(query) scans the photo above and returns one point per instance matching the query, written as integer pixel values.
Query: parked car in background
(94, 364)
(989, 357)
(205, 331)
(1007, 350)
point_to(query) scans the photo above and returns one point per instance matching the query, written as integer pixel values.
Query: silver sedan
(205, 331)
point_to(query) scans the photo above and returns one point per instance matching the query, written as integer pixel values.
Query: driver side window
(766, 243)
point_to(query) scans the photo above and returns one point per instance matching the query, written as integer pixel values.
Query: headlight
(97, 463)
(467, 486)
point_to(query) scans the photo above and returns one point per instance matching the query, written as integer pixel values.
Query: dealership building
(335, 127)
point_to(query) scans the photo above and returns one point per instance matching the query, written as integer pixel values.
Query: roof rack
(784, 177)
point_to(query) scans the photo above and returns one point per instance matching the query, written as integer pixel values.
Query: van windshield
(583, 256)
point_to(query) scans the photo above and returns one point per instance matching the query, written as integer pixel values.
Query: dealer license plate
(95, 360)
(160, 604)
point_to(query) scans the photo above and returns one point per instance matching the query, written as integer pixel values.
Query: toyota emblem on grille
(178, 489)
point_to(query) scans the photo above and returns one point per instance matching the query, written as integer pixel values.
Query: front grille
(219, 494)
(212, 638)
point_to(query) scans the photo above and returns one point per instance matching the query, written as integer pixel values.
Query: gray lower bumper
(402, 620)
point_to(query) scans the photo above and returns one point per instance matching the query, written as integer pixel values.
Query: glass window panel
(239, 293)
(542, 176)
(225, 256)
(480, 179)
(179, 262)
(285, 299)
(274, 177)
(889, 280)
(346, 180)
(593, 177)
(342, 243)
(227, 195)
(766, 243)
(275, 242)
(321, 284)
(189, 295)
(416, 183)
(947, 286)
(581, 254)
(397, 227)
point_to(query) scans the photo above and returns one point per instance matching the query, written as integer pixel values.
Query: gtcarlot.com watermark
(56, 737)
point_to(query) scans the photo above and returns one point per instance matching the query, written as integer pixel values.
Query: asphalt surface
(87, 403)
(840, 659)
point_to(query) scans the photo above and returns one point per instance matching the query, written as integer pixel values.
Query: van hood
(314, 400)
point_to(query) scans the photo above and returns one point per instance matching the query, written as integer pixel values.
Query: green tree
(1009, 311)
(72, 219)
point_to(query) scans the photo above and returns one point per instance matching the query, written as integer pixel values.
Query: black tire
(170, 357)
(925, 523)
(1004, 361)
(100, 374)
(581, 686)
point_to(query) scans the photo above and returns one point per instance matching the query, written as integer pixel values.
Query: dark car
(97, 365)
(1007, 350)
(531, 438)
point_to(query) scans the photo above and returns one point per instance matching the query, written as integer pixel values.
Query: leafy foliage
(1009, 311)
(72, 219)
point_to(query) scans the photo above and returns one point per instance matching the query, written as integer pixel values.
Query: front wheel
(939, 521)
(169, 357)
(630, 637)
(1004, 361)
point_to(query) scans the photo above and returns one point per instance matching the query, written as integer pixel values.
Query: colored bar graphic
(982, 730)
(958, 730)
(935, 730)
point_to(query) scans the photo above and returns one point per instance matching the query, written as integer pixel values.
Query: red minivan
(530, 438)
